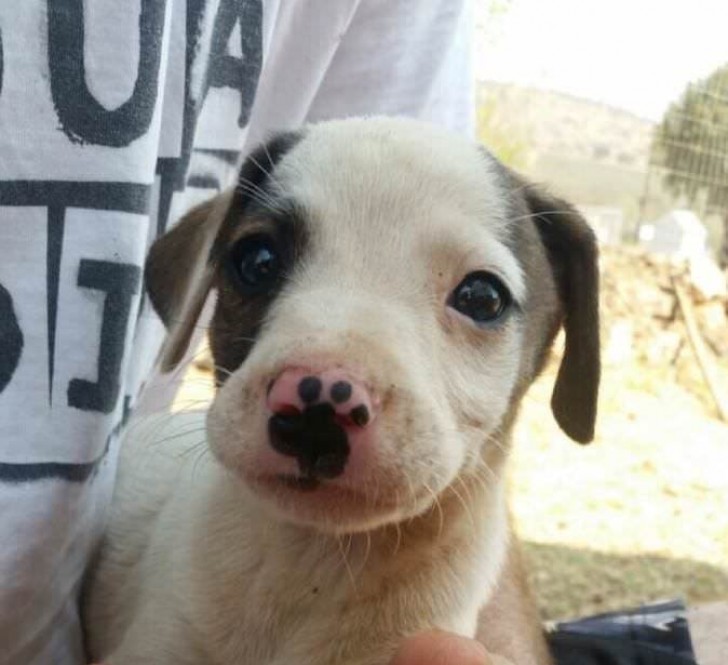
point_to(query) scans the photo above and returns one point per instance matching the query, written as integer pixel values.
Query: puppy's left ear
(572, 250)
(181, 267)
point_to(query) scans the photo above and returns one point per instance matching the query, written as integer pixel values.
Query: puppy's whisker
(247, 184)
(491, 474)
(521, 188)
(178, 435)
(484, 483)
(463, 503)
(545, 213)
(438, 506)
(193, 405)
(497, 443)
(467, 490)
(398, 542)
(198, 380)
(259, 195)
(411, 491)
(195, 326)
(265, 204)
(368, 550)
(267, 172)
(270, 158)
(244, 338)
(345, 560)
(202, 454)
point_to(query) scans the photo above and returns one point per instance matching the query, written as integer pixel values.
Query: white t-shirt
(115, 117)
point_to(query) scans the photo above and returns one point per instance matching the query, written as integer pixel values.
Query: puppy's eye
(256, 262)
(481, 296)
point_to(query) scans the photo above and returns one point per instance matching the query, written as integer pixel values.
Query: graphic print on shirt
(11, 339)
(128, 142)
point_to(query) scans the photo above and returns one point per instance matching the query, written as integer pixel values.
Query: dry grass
(641, 514)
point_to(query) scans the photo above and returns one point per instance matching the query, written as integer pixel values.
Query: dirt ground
(642, 513)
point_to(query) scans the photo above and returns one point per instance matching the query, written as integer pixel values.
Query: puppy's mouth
(286, 486)
(299, 483)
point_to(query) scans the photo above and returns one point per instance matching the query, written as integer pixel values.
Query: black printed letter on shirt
(11, 339)
(81, 116)
(120, 282)
(243, 73)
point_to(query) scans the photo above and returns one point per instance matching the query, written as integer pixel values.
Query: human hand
(441, 648)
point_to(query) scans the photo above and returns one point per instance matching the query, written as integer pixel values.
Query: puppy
(386, 293)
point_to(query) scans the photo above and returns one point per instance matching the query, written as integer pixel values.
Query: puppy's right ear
(573, 253)
(178, 274)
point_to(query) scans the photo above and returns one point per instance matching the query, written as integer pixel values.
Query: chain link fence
(689, 158)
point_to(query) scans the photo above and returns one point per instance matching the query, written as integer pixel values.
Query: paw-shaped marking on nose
(309, 389)
(314, 438)
(316, 430)
(359, 415)
(340, 392)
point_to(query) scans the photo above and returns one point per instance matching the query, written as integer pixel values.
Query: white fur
(193, 573)
(201, 565)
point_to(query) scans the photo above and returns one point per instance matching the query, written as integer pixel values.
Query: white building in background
(607, 223)
(679, 234)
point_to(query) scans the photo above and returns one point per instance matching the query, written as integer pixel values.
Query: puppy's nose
(317, 417)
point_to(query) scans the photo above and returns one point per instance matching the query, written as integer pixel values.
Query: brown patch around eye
(239, 316)
(255, 206)
(234, 328)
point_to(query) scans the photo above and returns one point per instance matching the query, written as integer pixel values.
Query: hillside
(573, 128)
(592, 153)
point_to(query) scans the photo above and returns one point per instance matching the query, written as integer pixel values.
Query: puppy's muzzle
(316, 417)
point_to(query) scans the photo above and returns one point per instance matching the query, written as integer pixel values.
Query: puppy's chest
(324, 605)
(270, 600)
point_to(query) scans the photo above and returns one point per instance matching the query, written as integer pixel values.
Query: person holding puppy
(112, 125)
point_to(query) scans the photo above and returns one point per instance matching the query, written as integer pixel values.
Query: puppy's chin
(332, 507)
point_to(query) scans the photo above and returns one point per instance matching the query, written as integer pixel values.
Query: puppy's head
(386, 292)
